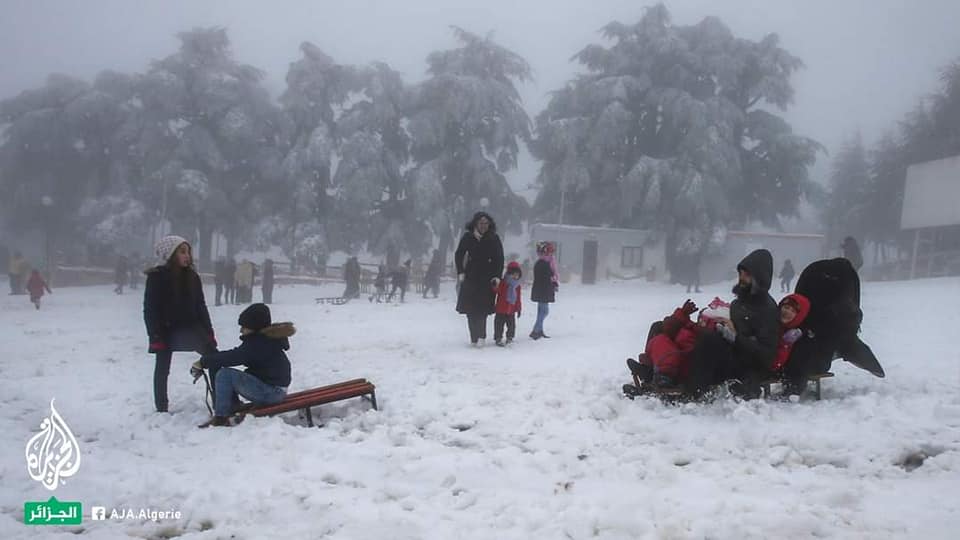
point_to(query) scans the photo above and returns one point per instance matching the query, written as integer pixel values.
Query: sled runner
(815, 378)
(335, 300)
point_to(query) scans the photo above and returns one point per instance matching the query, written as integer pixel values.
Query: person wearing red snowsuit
(35, 286)
(505, 308)
(794, 309)
(668, 350)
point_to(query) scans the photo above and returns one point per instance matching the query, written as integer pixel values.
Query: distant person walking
(479, 261)
(545, 285)
(786, 275)
(230, 281)
(244, 279)
(220, 279)
(121, 272)
(17, 271)
(431, 279)
(35, 286)
(351, 277)
(174, 312)
(266, 283)
(136, 270)
(851, 252)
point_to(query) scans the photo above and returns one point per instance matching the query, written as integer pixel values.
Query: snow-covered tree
(373, 201)
(670, 128)
(317, 90)
(846, 213)
(47, 168)
(222, 132)
(466, 122)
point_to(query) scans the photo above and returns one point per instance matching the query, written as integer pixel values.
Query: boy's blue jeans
(543, 309)
(230, 382)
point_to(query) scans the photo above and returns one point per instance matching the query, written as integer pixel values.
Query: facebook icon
(98, 513)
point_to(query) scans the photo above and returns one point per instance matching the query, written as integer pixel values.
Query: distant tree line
(669, 127)
(867, 185)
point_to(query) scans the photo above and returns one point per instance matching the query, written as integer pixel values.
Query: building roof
(585, 229)
(775, 234)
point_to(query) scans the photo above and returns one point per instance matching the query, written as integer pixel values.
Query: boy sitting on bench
(267, 376)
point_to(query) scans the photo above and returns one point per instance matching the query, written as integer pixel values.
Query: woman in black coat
(479, 260)
(175, 312)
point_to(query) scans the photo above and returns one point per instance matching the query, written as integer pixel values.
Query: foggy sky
(867, 62)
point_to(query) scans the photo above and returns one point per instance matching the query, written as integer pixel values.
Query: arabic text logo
(52, 512)
(53, 454)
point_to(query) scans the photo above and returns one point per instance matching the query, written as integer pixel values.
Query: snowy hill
(534, 441)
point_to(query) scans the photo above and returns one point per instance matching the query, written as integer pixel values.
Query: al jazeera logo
(53, 455)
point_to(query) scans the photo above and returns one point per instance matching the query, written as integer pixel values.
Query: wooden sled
(303, 401)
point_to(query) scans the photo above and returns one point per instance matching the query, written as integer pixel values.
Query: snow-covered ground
(534, 441)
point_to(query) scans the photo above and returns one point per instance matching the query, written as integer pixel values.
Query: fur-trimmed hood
(279, 330)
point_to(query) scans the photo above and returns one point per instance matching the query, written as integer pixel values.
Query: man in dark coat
(479, 261)
(851, 252)
(351, 276)
(745, 346)
(832, 326)
(266, 283)
(431, 279)
(230, 281)
(220, 279)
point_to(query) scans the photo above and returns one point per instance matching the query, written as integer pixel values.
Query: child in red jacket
(35, 286)
(508, 304)
(794, 309)
(668, 351)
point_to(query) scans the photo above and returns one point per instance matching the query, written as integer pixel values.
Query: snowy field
(534, 441)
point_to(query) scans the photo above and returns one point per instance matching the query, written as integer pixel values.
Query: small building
(588, 254)
(931, 216)
(801, 249)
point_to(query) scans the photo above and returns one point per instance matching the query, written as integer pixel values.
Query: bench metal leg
(309, 416)
(818, 390)
(372, 398)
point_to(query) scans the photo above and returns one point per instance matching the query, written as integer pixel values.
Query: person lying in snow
(267, 376)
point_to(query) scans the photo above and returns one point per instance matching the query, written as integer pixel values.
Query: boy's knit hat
(256, 317)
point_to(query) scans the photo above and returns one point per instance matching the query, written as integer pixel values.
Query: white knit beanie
(167, 245)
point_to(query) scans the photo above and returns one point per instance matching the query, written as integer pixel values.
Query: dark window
(631, 257)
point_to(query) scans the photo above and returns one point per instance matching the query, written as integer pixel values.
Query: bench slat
(325, 388)
(317, 398)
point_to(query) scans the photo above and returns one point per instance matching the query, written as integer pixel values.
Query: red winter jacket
(789, 332)
(36, 285)
(671, 355)
(504, 307)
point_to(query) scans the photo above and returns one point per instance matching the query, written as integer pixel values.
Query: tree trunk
(206, 244)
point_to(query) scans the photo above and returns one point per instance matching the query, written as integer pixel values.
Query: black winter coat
(262, 354)
(167, 310)
(267, 281)
(755, 315)
(479, 261)
(543, 289)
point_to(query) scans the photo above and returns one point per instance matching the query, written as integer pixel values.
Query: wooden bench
(303, 401)
(816, 378)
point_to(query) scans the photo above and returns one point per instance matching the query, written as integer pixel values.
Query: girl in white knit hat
(174, 311)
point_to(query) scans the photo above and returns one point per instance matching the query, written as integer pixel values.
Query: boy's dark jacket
(262, 354)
